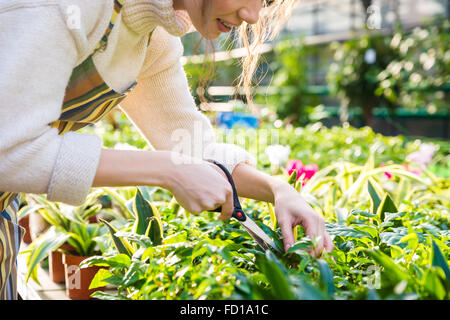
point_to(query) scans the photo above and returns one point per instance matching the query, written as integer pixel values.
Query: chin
(210, 35)
(207, 33)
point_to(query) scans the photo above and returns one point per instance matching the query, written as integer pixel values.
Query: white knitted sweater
(41, 41)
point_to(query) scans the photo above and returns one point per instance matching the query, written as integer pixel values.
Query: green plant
(419, 76)
(353, 76)
(382, 252)
(289, 96)
(68, 224)
(391, 235)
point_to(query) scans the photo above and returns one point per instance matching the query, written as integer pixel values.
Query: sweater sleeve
(163, 109)
(37, 55)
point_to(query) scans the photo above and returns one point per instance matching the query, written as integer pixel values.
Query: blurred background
(378, 63)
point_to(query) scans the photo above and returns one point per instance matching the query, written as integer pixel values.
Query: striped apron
(87, 99)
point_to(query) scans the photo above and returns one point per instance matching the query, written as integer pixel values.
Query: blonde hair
(270, 23)
(271, 20)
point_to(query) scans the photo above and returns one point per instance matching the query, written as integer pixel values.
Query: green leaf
(154, 230)
(302, 245)
(403, 189)
(439, 261)
(412, 239)
(292, 178)
(108, 296)
(273, 217)
(99, 279)
(434, 285)
(387, 205)
(276, 274)
(132, 275)
(308, 291)
(147, 192)
(143, 211)
(346, 231)
(374, 197)
(142, 240)
(148, 219)
(393, 238)
(391, 270)
(122, 245)
(120, 201)
(326, 277)
(362, 213)
(25, 211)
(41, 248)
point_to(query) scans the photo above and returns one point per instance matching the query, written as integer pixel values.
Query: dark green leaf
(374, 197)
(326, 277)
(387, 205)
(276, 274)
(440, 261)
(143, 212)
(122, 245)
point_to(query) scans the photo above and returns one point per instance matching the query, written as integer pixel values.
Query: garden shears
(264, 241)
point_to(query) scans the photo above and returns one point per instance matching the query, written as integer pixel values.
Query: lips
(223, 26)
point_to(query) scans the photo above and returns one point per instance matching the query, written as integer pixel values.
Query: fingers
(315, 228)
(288, 235)
(227, 207)
(329, 245)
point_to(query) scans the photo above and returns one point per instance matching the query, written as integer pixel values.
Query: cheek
(203, 14)
(206, 18)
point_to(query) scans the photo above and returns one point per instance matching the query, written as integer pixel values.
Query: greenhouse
(225, 151)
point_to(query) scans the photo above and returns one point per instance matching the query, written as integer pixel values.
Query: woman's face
(212, 17)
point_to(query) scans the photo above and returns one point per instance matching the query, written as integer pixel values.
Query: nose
(250, 12)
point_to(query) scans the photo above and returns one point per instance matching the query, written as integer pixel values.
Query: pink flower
(424, 156)
(308, 170)
(387, 174)
(416, 171)
(293, 165)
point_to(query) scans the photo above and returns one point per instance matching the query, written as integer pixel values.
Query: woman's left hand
(292, 210)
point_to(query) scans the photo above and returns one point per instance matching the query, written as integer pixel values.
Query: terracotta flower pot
(78, 280)
(56, 266)
(25, 223)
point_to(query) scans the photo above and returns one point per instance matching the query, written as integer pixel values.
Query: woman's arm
(120, 168)
(197, 185)
(290, 208)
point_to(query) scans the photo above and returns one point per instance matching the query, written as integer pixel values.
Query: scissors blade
(258, 234)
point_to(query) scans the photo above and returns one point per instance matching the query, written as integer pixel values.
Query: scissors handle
(238, 213)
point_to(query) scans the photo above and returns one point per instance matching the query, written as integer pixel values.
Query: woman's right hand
(199, 185)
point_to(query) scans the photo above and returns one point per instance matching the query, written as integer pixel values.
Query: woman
(60, 70)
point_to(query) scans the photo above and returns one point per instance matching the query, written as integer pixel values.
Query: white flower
(278, 154)
(424, 155)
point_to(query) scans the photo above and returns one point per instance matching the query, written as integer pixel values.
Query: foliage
(68, 225)
(289, 96)
(318, 144)
(391, 236)
(384, 249)
(420, 74)
(353, 76)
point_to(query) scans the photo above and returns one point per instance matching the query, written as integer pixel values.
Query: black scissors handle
(238, 213)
